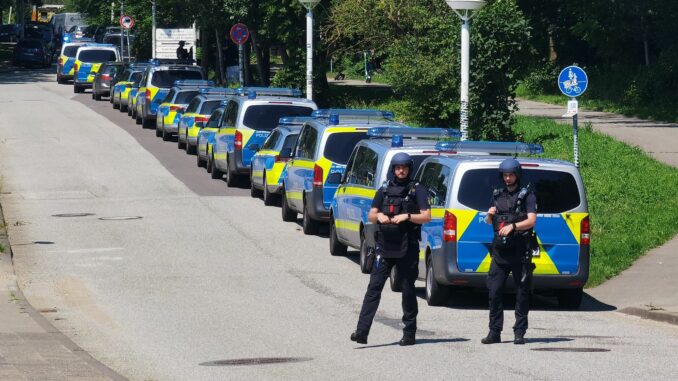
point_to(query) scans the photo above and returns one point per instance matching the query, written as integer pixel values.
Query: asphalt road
(206, 275)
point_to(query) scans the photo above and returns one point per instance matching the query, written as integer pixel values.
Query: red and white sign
(239, 33)
(126, 22)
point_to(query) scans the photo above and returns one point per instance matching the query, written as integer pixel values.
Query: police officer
(513, 214)
(400, 207)
(182, 53)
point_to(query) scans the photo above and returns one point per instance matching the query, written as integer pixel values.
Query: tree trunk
(263, 74)
(205, 51)
(220, 58)
(284, 56)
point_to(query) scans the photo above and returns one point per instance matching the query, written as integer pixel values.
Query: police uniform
(509, 255)
(396, 245)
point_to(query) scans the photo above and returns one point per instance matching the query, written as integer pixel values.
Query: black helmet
(401, 158)
(510, 166)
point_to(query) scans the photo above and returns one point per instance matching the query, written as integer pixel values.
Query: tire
(137, 118)
(269, 198)
(336, 248)
(231, 179)
(200, 162)
(180, 145)
(570, 298)
(394, 280)
(146, 123)
(308, 225)
(60, 80)
(254, 192)
(436, 294)
(97, 97)
(364, 249)
(215, 173)
(116, 106)
(165, 135)
(191, 150)
(76, 89)
(288, 215)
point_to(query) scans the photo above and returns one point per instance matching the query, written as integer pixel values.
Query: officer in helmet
(399, 208)
(513, 214)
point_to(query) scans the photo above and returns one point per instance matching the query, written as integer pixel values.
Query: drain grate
(256, 361)
(120, 218)
(562, 349)
(72, 214)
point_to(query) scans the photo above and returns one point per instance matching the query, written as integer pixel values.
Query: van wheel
(137, 118)
(180, 144)
(200, 162)
(288, 215)
(215, 173)
(76, 89)
(436, 294)
(146, 123)
(570, 298)
(269, 198)
(308, 225)
(336, 248)
(116, 106)
(364, 251)
(231, 179)
(191, 150)
(97, 97)
(165, 135)
(254, 192)
(394, 280)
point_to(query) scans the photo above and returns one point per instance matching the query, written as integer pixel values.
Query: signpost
(572, 82)
(126, 22)
(239, 35)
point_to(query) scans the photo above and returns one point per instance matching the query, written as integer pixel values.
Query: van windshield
(266, 117)
(71, 50)
(166, 78)
(556, 191)
(340, 145)
(96, 55)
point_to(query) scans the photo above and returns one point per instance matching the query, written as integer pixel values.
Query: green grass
(631, 196)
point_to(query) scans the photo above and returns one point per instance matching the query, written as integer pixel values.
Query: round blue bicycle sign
(573, 81)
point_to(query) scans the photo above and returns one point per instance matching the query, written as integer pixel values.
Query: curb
(7, 270)
(657, 315)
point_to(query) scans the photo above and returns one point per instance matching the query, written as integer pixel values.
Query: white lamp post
(464, 9)
(309, 5)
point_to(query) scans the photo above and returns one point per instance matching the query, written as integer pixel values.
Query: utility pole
(153, 26)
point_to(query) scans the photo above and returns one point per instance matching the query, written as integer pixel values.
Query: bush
(293, 77)
(542, 80)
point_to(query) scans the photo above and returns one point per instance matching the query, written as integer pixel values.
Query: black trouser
(407, 268)
(496, 280)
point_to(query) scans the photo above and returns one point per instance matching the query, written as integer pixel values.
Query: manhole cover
(120, 218)
(256, 361)
(556, 349)
(72, 214)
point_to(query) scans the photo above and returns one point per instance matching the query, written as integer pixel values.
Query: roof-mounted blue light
(491, 147)
(333, 119)
(359, 113)
(251, 94)
(193, 82)
(396, 141)
(269, 91)
(413, 132)
(217, 91)
(293, 120)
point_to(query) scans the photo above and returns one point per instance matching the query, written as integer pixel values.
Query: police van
(154, 86)
(269, 163)
(88, 60)
(197, 114)
(66, 61)
(368, 169)
(455, 245)
(247, 121)
(124, 82)
(319, 159)
(169, 111)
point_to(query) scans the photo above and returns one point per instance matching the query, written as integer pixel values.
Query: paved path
(649, 287)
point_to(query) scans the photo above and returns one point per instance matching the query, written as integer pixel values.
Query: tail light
(148, 97)
(61, 61)
(317, 176)
(105, 77)
(202, 119)
(450, 227)
(279, 159)
(76, 67)
(585, 238)
(176, 108)
(238, 140)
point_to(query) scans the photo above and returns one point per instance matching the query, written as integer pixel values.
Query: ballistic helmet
(401, 158)
(510, 165)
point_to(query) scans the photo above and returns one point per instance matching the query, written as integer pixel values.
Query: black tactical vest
(510, 209)
(393, 240)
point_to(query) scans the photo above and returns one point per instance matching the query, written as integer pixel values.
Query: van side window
(435, 177)
(230, 115)
(307, 143)
(213, 122)
(271, 141)
(364, 167)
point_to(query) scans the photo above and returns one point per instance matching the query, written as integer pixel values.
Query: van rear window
(166, 78)
(266, 117)
(96, 55)
(556, 191)
(185, 96)
(340, 145)
(209, 106)
(70, 51)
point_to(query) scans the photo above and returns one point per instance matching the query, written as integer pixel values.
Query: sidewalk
(648, 288)
(30, 347)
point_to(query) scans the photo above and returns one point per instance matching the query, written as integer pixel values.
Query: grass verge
(631, 196)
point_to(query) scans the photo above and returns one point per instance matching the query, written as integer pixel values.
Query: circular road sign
(573, 81)
(239, 33)
(126, 22)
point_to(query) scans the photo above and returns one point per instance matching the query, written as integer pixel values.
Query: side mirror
(254, 147)
(286, 153)
(334, 178)
(370, 177)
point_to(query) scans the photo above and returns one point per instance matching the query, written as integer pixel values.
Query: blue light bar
(333, 119)
(491, 147)
(193, 82)
(325, 113)
(270, 91)
(218, 91)
(396, 141)
(413, 132)
(293, 120)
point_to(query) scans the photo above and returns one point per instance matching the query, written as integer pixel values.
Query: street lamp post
(309, 5)
(464, 9)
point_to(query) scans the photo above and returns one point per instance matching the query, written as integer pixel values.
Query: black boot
(491, 338)
(359, 338)
(408, 339)
(519, 338)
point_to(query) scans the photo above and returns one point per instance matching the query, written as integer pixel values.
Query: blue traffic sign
(573, 81)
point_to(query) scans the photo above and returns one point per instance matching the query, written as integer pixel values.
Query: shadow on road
(419, 342)
(13, 75)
